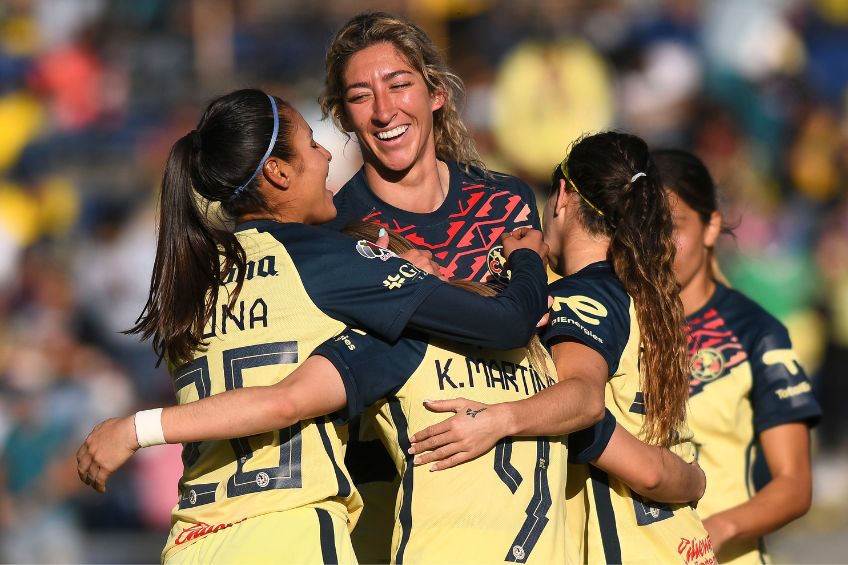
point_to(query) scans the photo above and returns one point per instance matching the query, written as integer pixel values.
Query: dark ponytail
(632, 210)
(216, 162)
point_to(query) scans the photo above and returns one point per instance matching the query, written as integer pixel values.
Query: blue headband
(240, 189)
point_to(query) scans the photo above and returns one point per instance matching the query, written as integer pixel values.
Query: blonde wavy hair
(369, 28)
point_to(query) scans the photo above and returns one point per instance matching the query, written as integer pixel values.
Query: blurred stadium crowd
(93, 93)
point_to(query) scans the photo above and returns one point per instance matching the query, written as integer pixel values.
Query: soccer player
(746, 386)
(229, 310)
(389, 85)
(617, 338)
(422, 177)
(512, 507)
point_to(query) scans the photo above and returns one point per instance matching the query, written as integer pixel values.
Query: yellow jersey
(744, 379)
(299, 282)
(505, 506)
(607, 521)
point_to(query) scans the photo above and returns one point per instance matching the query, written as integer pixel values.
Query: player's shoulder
(306, 243)
(750, 321)
(597, 281)
(492, 180)
(355, 186)
(352, 201)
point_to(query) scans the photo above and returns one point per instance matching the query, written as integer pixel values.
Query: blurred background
(94, 92)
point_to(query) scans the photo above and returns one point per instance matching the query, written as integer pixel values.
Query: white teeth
(392, 133)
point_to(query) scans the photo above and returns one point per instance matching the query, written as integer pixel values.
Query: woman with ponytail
(396, 378)
(243, 308)
(746, 386)
(617, 338)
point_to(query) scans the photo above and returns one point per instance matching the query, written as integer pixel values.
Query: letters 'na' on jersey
(607, 521)
(302, 285)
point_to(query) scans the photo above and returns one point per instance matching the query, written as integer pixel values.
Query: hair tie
(240, 189)
(195, 139)
(636, 176)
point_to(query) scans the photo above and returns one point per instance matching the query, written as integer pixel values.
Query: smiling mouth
(392, 133)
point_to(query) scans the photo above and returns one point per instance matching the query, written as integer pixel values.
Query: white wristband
(148, 427)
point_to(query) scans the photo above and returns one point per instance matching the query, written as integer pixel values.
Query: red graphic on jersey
(713, 350)
(461, 250)
(201, 529)
(696, 551)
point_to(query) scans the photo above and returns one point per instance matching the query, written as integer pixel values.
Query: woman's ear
(277, 172)
(561, 197)
(713, 229)
(438, 98)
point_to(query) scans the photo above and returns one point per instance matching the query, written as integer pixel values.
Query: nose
(326, 152)
(384, 108)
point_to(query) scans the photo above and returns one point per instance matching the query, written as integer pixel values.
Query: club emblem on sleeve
(706, 365)
(373, 251)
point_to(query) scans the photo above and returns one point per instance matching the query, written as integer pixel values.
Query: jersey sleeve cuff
(587, 445)
(810, 416)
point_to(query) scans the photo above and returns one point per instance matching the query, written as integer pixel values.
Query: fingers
(434, 442)
(438, 455)
(524, 238)
(426, 433)
(83, 463)
(452, 461)
(423, 260)
(90, 471)
(383, 239)
(454, 405)
(546, 318)
(99, 479)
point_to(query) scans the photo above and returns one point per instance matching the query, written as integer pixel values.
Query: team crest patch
(497, 264)
(373, 251)
(714, 350)
(650, 512)
(706, 365)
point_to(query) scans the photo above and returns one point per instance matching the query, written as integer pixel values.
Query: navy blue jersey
(463, 233)
(593, 308)
(744, 379)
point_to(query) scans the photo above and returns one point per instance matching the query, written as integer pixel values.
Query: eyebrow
(386, 77)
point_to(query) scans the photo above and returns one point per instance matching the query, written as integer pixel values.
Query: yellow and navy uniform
(744, 379)
(607, 521)
(302, 285)
(505, 506)
(463, 236)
